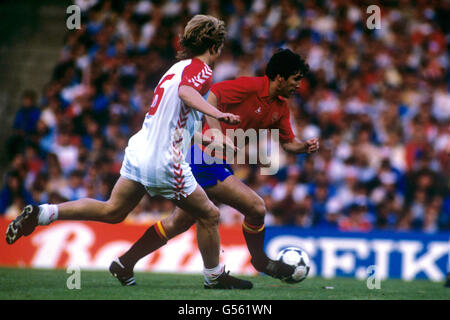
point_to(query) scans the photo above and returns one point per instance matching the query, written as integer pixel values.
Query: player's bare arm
(215, 131)
(212, 122)
(297, 146)
(193, 99)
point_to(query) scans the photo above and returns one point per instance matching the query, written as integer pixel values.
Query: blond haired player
(155, 157)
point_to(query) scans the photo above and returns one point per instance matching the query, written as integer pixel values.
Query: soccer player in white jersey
(154, 159)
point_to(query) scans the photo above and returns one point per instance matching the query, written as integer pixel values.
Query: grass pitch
(31, 284)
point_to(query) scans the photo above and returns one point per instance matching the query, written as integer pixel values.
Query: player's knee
(257, 209)
(113, 214)
(211, 216)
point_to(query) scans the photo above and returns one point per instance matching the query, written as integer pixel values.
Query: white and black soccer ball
(298, 258)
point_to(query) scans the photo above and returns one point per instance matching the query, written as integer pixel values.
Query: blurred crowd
(378, 99)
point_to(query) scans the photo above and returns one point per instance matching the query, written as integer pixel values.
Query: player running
(154, 159)
(261, 104)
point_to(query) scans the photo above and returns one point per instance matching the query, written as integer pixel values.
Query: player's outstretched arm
(297, 146)
(193, 99)
(213, 122)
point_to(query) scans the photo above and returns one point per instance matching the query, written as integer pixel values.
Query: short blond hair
(202, 32)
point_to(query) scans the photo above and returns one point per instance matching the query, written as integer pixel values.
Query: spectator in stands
(356, 219)
(75, 189)
(14, 193)
(28, 114)
(24, 125)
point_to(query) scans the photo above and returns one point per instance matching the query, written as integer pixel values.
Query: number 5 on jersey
(157, 96)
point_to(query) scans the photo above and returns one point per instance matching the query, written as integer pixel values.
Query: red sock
(154, 238)
(254, 236)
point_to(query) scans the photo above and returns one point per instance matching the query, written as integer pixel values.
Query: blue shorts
(207, 174)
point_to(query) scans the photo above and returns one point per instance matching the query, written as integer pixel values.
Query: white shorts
(172, 181)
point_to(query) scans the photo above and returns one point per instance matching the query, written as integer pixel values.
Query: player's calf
(112, 213)
(178, 222)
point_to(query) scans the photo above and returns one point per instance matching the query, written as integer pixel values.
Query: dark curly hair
(201, 33)
(286, 63)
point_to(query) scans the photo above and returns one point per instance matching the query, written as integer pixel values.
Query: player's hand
(312, 145)
(229, 118)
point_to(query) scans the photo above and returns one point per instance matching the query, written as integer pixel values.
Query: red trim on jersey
(177, 171)
(197, 75)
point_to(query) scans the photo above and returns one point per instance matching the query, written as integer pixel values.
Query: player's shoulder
(181, 65)
(247, 83)
(197, 74)
(197, 65)
(254, 81)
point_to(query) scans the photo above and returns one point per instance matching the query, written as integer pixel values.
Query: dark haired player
(261, 104)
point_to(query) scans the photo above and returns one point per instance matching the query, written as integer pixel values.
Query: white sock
(212, 274)
(47, 214)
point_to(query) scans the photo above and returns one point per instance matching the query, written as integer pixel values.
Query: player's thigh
(198, 205)
(126, 195)
(234, 193)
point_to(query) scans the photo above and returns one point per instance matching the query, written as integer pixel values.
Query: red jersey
(249, 98)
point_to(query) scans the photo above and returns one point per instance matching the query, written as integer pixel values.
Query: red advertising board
(93, 245)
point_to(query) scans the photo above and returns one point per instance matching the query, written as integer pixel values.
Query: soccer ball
(298, 258)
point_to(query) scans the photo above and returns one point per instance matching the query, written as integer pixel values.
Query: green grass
(29, 284)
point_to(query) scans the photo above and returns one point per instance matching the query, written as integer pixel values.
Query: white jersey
(155, 156)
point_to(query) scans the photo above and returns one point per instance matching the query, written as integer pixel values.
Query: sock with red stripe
(154, 238)
(211, 275)
(47, 214)
(254, 236)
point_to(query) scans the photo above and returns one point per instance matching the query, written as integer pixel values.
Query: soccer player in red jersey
(261, 104)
